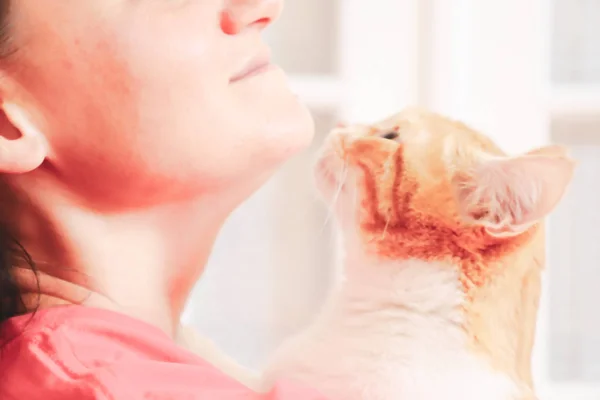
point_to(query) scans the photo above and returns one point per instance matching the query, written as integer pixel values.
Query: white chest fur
(391, 332)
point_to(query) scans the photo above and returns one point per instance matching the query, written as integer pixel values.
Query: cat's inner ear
(507, 195)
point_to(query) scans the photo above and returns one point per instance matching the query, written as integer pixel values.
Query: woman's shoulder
(82, 353)
(96, 336)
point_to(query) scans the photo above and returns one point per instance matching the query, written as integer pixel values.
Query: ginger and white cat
(444, 247)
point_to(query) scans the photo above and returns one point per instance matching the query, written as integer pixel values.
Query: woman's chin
(287, 139)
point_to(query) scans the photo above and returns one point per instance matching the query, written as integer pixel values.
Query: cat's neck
(421, 296)
(416, 285)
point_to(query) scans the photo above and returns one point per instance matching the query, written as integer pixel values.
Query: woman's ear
(23, 147)
(507, 195)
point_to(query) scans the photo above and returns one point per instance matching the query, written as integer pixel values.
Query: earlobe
(23, 147)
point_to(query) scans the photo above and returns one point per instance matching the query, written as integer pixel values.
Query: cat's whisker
(331, 209)
(342, 180)
(389, 171)
(387, 224)
(356, 192)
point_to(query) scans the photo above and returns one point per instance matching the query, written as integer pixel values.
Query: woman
(129, 131)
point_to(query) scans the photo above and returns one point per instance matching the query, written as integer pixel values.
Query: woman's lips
(256, 66)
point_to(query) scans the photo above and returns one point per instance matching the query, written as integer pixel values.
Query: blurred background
(524, 72)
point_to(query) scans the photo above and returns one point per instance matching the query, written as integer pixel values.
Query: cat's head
(423, 186)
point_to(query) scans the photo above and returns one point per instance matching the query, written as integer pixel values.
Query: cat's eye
(390, 135)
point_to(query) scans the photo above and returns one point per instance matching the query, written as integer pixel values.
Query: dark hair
(11, 251)
(4, 26)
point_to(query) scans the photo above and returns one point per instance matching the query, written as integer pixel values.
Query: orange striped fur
(419, 186)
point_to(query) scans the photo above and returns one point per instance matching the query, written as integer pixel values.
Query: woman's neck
(142, 263)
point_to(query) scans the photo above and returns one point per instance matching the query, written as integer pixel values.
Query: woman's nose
(239, 15)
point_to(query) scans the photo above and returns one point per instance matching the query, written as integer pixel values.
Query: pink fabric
(80, 353)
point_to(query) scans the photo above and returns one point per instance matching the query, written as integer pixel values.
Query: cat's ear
(507, 195)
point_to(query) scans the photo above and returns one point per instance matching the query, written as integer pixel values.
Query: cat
(443, 237)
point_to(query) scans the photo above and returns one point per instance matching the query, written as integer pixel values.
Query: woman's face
(148, 101)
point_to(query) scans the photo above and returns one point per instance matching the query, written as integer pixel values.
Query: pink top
(80, 353)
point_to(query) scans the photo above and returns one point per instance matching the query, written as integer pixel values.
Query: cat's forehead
(427, 137)
(411, 117)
